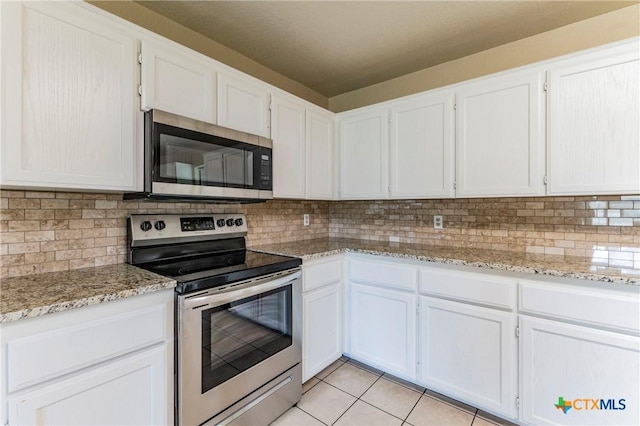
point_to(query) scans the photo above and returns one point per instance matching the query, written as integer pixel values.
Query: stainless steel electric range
(238, 317)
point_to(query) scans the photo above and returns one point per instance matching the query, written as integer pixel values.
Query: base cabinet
(469, 351)
(577, 375)
(383, 329)
(127, 392)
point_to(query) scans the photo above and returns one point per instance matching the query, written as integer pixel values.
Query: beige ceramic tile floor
(350, 393)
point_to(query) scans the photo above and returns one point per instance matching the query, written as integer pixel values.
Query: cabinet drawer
(51, 354)
(468, 287)
(321, 274)
(586, 305)
(385, 274)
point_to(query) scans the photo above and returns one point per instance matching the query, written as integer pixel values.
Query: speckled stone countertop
(36, 295)
(552, 265)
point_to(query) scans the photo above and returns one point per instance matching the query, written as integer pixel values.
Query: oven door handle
(239, 291)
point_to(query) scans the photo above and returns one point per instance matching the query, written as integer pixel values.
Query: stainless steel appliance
(190, 160)
(238, 317)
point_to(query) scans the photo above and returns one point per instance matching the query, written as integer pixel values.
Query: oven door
(235, 339)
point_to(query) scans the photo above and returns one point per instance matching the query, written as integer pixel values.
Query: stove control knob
(239, 221)
(145, 226)
(220, 223)
(229, 222)
(160, 225)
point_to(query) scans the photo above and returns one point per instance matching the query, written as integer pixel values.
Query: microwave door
(234, 168)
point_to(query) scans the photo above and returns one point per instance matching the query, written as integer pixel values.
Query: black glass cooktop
(202, 272)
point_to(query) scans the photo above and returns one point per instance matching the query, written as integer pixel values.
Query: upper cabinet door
(364, 144)
(422, 147)
(288, 133)
(243, 105)
(594, 123)
(500, 138)
(176, 81)
(320, 158)
(69, 88)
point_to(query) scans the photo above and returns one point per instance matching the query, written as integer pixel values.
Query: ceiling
(334, 47)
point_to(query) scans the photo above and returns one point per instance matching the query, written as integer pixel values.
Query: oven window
(238, 335)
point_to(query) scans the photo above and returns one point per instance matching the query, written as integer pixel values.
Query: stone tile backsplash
(53, 231)
(600, 227)
(56, 231)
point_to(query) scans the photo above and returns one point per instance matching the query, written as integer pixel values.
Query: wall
(158, 24)
(56, 231)
(599, 227)
(603, 29)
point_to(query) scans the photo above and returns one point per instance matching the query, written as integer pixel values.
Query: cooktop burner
(199, 251)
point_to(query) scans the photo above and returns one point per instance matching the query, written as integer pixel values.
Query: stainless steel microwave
(190, 160)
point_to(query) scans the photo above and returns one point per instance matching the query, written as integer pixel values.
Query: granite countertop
(36, 295)
(552, 265)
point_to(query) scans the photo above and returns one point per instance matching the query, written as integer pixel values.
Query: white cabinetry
(594, 123)
(422, 146)
(322, 314)
(585, 354)
(69, 97)
(320, 159)
(110, 363)
(500, 136)
(243, 104)
(382, 315)
(176, 80)
(364, 150)
(288, 134)
(468, 346)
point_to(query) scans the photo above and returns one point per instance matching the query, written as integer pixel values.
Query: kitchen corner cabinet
(320, 159)
(322, 314)
(467, 338)
(421, 146)
(69, 92)
(243, 105)
(288, 134)
(594, 123)
(177, 81)
(364, 154)
(382, 315)
(110, 363)
(500, 136)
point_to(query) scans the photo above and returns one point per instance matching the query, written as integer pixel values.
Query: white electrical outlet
(438, 222)
(305, 219)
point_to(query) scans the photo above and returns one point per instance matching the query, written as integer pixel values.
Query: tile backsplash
(54, 231)
(590, 226)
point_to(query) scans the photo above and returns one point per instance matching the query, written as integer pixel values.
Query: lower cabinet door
(575, 375)
(383, 329)
(470, 353)
(322, 329)
(131, 391)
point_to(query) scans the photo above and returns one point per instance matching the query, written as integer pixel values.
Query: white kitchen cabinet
(364, 154)
(129, 391)
(421, 146)
(110, 363)
(176, 80)
(322, 315)
(470, 353)
(320, 159)
(566, 363)
(288, 133)
(381, 315)
(70, 98)
(594, 123)
(243, 104)
(500, 136)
